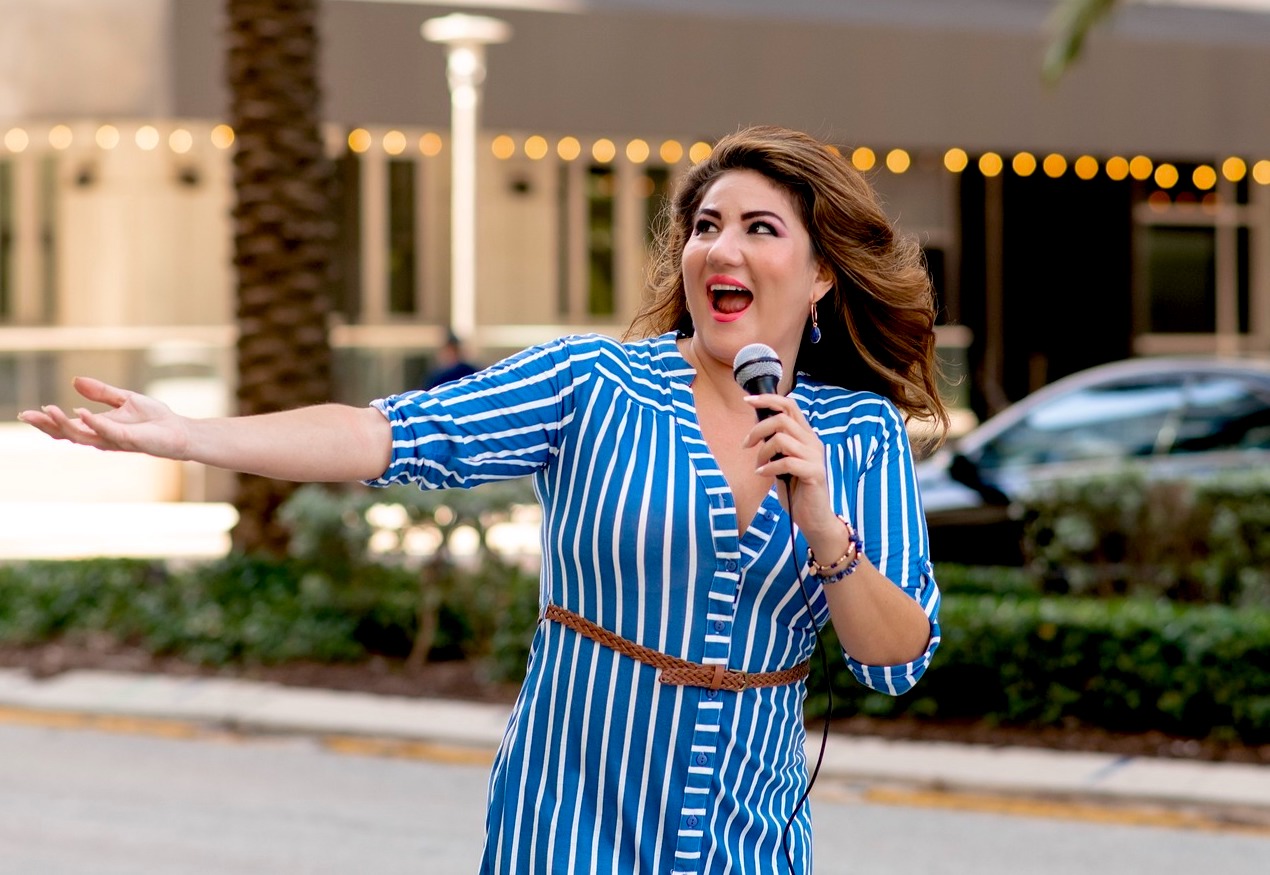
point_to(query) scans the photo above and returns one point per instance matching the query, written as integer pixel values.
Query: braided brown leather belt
(673, 670)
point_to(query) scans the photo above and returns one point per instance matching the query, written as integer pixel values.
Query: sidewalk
(1233, 793)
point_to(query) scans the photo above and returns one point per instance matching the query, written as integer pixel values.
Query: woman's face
(749, 272)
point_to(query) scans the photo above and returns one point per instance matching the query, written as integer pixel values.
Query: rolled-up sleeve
(887, 512)
(500, 423)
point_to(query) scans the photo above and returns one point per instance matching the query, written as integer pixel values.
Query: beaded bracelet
(844, 564)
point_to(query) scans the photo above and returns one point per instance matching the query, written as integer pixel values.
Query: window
(656, 192)
(601, 294)
(1181, 267)
(348, 245)
(1115, 421)
(564, 204)
(1194, 265)
(48, 237)
(402, 255)
(1224, 413)
(6, 241)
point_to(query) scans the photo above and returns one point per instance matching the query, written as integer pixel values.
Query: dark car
(1175, 418)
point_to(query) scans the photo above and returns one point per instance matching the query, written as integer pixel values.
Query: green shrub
(1120, 664)
(1206, 541)
(986, 580)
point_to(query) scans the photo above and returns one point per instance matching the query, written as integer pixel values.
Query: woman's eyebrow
(752, 214)
(756, 214)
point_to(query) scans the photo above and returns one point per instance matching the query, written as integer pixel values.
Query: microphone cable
(824, 669)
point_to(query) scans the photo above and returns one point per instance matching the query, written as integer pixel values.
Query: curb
(470, 732)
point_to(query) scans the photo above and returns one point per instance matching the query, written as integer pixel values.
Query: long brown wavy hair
(878, 320)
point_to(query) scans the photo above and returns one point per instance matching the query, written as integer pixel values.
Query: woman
(659, 728)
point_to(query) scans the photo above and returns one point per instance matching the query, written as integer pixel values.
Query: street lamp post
(465, 38)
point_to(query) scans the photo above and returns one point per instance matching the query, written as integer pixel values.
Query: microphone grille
(756, 360)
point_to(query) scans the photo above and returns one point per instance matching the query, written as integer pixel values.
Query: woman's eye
(762, 228)
(702, 226)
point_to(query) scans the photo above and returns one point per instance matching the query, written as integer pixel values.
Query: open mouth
(729, 300)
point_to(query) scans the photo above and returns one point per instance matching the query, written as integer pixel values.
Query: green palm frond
(1069, 24)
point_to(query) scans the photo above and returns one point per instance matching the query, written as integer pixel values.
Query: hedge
(1012, 652)
(1205, 540)
(1121, 664)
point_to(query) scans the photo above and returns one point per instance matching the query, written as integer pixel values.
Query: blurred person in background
(450, 364)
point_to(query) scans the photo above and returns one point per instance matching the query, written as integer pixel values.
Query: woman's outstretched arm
(324, 443)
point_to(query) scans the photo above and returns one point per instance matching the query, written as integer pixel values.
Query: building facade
(1123, 211)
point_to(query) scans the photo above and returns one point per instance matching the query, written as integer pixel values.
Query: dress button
(702, 759)
(712, 694)
(718, 625)
(730, 565)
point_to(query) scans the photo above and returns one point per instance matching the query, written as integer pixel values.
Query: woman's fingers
(53, 421)
(786, 444)
(103, 393)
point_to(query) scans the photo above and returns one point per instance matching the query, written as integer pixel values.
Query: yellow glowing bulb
(1023, 164)
(1117, 168)
(898, 161)
(222, 136)
(603, 150)
(1261, 172)
(699, 152)
(863, 158)
(60, 137)
(147, 138)
(1086, 167)
(180, 141)
(671, 151)
(16, 140)
(503, 147)
(359, 140)
(1204, 177)
(1140, 168)
(991, 164)
(536, 147)
(107, 136)
(1234, 169)
(569, 148)
(955, 160)
(1054, 165)
(430, 144)
(394, 142)
(1166, 176)
(637, 151)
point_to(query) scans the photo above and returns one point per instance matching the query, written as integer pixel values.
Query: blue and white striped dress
(603, 769)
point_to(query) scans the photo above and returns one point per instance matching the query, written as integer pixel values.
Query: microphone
(758, 369)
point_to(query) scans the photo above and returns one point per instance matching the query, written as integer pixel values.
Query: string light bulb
(536, 148)
(1234, 169)
(61, 137)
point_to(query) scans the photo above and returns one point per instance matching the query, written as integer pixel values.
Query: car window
(1112, 421)
(1223, 413)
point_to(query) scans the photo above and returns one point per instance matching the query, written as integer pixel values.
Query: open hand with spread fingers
(134, 423)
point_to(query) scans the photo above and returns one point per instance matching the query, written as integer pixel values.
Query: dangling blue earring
(815, 327)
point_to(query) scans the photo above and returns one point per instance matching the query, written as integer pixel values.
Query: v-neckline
(769, 509)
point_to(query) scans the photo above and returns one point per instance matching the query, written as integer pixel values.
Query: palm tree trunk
(282, 232)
